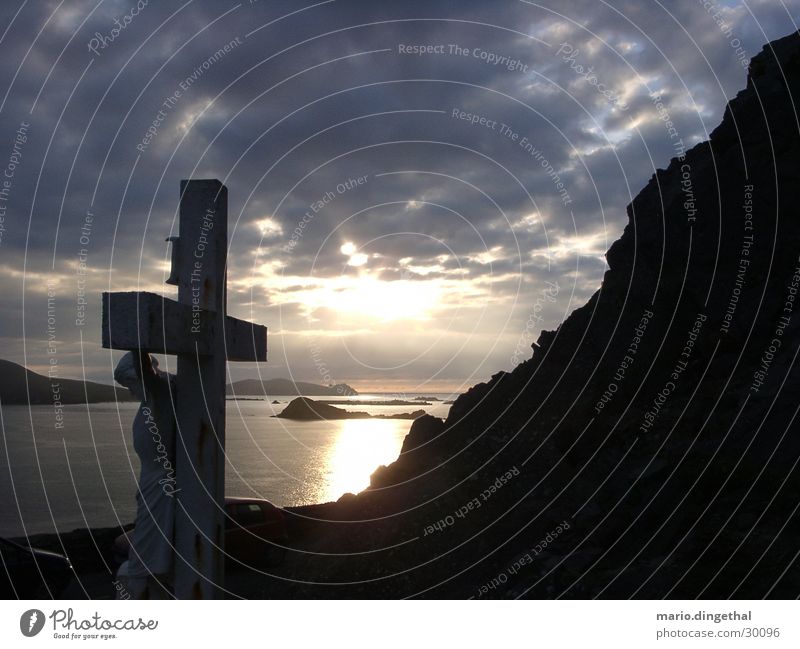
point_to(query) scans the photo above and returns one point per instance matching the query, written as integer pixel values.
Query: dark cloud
(287, 105)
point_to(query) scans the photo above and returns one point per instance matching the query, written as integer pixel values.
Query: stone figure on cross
(148, 572)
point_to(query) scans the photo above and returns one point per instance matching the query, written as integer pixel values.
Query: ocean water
(84, 474)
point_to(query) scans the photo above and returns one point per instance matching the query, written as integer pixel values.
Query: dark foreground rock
(649, 448)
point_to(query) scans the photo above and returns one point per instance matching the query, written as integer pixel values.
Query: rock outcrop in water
(649, 448)
(306, 409)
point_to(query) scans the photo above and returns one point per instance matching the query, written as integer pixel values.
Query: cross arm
(152, 323)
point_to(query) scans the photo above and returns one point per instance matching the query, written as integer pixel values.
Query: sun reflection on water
(361, 446)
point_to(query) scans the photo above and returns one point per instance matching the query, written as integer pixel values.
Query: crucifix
(197, 329)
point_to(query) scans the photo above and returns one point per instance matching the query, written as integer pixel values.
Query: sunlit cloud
(487, 256)
(594, 244)
(268, 227)
(358, 259)
(355, 258)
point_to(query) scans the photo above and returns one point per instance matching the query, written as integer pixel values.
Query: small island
(305, 409)
(368, 402)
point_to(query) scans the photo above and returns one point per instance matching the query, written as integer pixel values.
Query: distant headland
(21, 386)
(271, 387)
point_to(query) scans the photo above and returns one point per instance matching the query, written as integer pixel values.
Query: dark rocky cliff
(649, 448)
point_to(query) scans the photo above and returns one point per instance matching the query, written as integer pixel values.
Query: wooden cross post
(197, 330)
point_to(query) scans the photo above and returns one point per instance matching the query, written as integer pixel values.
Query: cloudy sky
(415, 188)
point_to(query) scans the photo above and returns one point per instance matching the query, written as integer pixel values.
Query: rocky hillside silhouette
(649, 447)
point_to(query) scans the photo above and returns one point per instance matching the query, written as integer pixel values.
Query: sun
(364, 296)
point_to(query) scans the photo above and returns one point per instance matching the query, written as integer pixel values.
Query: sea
(84, 474)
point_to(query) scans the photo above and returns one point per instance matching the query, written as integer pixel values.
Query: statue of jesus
(148, 572)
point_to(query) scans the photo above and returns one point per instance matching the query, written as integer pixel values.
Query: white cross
(196, 329)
